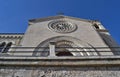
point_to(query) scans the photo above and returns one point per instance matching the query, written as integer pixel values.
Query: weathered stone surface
(59, 71)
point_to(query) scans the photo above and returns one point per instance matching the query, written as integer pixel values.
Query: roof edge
(57, 17)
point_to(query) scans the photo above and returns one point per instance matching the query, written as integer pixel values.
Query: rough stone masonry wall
(23, 71)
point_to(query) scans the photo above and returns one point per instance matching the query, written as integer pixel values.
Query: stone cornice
(11, 35)
(61, 61)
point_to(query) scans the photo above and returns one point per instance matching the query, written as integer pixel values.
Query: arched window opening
(7, 47)
(64, 53)
(2, 46)
(96, 26)
(64, 46)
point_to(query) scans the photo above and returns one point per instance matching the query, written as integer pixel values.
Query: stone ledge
(105, 57)
(61, 61)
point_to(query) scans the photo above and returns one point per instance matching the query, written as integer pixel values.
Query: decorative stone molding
(62, 26)
(60, 61)
(66, 41)
(11, 35)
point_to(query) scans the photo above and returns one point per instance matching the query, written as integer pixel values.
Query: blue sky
(14, 14)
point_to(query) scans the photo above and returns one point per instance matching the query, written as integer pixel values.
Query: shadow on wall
(111, 43)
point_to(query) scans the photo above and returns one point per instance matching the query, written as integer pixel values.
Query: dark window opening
(64, 53)
(96, 26)
(7, 47)
(2, 45)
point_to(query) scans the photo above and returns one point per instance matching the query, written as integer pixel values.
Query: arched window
(64, 46)
(2, 46)
(7, 47)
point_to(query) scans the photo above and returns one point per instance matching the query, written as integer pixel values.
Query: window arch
(63, 48)
(66, 43)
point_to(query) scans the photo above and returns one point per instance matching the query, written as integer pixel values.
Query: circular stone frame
(62, 26)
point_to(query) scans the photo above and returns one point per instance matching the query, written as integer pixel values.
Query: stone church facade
(60, 46)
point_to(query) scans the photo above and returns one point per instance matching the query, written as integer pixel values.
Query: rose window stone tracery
(62, 26)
